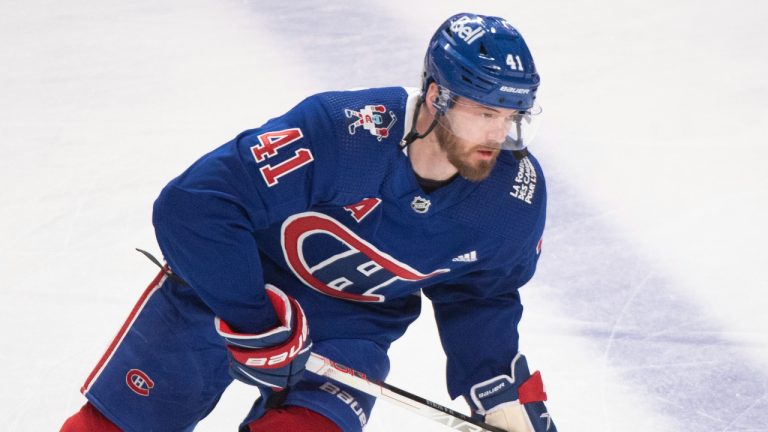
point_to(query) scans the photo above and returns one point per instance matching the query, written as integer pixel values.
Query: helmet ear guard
(443, 101)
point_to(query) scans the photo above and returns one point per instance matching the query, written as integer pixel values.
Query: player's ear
(431, 99)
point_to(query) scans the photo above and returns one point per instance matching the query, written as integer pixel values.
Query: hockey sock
(291, 419)
(89, 419)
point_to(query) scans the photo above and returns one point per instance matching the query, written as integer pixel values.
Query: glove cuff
(491, 393)
(520, 387)
(277, 335)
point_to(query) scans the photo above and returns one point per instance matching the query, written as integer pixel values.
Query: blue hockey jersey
(322, 203)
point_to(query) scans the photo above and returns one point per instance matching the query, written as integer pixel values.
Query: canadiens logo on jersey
(373, 118)
(329, 257)
(139, 382)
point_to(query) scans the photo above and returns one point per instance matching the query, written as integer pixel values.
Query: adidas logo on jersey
(467, 257)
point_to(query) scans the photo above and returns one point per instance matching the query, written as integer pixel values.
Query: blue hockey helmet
(484, 59)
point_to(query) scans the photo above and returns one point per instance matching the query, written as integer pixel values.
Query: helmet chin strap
(413, 135)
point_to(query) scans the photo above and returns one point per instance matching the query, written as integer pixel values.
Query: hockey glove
(276, 357)
(514, 403)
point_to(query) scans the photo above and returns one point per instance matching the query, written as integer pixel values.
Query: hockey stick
(325, 367)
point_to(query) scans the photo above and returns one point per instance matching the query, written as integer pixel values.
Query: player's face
(473, 161)
(495, 127)
(472, 135)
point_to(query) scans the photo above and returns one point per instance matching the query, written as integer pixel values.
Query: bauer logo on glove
(274, 358)
(513, 402)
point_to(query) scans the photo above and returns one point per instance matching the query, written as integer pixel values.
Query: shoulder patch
(524, 186)
(373, 118)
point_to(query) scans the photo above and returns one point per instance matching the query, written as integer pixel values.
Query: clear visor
(494, 127)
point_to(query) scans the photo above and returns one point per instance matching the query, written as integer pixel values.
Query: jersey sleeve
(205, 219)
(477, 317)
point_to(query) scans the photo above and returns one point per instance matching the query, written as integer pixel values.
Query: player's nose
(497, 135)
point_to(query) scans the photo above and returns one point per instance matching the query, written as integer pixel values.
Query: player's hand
(514, 403)
(275, 358)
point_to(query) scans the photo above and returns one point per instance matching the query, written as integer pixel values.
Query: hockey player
(319, 230)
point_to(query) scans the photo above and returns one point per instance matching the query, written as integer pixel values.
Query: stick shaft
(325, 367)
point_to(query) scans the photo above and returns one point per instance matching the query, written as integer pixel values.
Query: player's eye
(518, 115)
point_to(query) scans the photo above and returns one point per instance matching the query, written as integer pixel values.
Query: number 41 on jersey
(268, 146)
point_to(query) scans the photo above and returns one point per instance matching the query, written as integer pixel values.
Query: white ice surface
(648, 312)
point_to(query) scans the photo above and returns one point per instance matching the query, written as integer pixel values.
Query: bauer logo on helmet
(514, 90)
